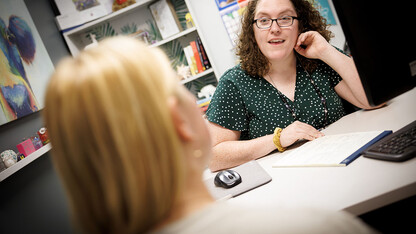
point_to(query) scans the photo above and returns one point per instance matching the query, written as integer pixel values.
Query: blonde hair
(114, 143)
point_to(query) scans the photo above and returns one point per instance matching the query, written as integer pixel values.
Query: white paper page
(327, 150)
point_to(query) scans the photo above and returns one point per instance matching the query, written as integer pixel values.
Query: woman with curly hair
(288, 85)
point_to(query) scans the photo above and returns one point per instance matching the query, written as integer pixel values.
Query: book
(204, 58)
(200, 55)
(204, 103)
(196, 55)
(189, 54)
(331, 150)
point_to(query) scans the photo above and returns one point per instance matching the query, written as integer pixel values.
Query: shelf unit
(139, 14)
(197, 76)
(22, 163)
(174, 37)
(76, 46)
(76, 42)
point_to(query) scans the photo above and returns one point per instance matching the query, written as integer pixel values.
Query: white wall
(213, 34)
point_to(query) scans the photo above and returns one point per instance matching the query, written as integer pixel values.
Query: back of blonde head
(114, 143)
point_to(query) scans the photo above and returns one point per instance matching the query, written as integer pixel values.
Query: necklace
(292, 110)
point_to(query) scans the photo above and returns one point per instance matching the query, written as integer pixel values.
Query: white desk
(364, 185)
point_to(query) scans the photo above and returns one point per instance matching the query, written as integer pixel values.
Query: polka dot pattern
(252, 105)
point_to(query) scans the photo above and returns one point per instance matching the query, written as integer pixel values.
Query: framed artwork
(165, 18)
(326, 11)
(231, 12)
(222, 4)
(25, 66)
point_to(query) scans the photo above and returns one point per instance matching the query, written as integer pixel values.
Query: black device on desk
(399, 146)
(379, 36)
(227, 179)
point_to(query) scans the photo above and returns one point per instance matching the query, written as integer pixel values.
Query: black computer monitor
(381, 37)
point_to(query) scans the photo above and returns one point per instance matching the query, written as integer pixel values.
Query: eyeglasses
(284, 21)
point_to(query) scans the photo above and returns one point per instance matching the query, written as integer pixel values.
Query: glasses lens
(285, 21)
(263, 23)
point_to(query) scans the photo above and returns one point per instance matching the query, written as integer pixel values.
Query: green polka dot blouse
(253, 106)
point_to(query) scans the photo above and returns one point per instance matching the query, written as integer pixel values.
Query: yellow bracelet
(276, 139)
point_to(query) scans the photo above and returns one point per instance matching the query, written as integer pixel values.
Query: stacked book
(196, 57)
(203, 104)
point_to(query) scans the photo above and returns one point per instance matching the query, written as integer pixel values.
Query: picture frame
(165, 18)
(25, 65)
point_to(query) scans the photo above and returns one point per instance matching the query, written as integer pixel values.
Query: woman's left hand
(312, 45)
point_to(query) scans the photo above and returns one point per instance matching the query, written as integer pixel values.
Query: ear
(180, 121)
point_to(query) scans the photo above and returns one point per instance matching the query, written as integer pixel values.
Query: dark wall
(33, 200)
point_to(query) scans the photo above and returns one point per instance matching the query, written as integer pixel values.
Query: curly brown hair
(252, 59)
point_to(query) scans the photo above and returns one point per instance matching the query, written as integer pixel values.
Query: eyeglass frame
(271, 24)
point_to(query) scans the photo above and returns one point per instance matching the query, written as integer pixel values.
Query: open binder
(331, 151)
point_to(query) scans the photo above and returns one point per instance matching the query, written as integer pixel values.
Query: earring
(197, 153)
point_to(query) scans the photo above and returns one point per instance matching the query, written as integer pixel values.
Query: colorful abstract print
(17, 46)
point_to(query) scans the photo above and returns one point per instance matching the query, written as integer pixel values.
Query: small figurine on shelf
(9, 157)
(183, 71)
(20, 157)
(120, 4)
(43, 135)
(189, 21)
(206, 91)
(37, 143)
(26, 147)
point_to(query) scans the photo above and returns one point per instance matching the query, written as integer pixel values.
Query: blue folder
(357, 153)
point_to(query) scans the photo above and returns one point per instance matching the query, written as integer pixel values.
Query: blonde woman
(130, 146)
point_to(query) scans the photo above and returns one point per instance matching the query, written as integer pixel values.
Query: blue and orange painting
(17, 47)
(19, 70)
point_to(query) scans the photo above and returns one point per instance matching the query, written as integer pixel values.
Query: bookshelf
(174, 37)
(72, 37)
(22, 163)
(206, 72)
(140, 15)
